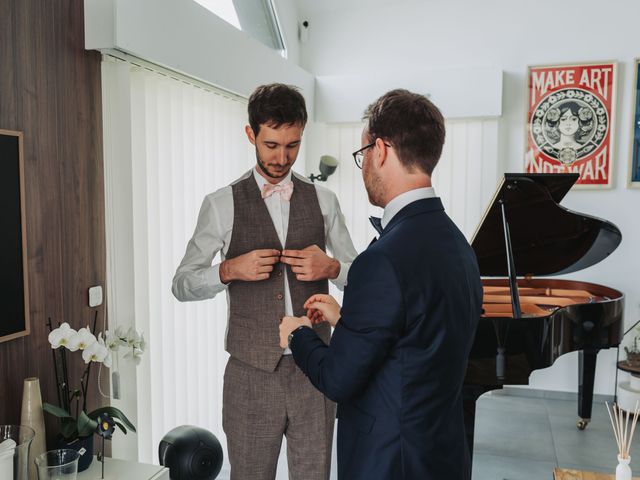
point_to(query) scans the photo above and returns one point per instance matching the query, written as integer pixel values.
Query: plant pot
(83, 445)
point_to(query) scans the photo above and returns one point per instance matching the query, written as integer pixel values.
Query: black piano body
(527, 322)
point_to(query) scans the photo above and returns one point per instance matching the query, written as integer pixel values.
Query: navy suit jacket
(398, 355)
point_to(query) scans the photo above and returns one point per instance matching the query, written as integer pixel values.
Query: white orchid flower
(113, 341)
(60, 336)
(96, 351)
(135, 354)
(132, 337)
(137, 342)
(108, 359)
(121, 333)
(81, 340)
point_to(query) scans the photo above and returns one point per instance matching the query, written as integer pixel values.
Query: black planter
(78, 444)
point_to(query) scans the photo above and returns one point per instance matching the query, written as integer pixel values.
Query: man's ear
(249, 131)
(382, 152)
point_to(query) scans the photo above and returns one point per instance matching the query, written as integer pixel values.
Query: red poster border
(610, 142)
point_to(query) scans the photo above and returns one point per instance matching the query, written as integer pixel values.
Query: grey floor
(525, 434)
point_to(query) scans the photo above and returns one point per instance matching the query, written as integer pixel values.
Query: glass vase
(623, 470)
(14, 454)
(61, 464)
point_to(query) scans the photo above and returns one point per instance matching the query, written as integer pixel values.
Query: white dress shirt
(197, 279)
(404, 199)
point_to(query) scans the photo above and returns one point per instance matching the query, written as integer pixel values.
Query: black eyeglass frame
(358, 155)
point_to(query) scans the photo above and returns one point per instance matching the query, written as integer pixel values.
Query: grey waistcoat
(255, 308)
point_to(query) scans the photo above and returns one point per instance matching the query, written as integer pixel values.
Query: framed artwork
(634, 163)
(14, 287)
(570, 112)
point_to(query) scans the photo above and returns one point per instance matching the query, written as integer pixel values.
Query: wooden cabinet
(567, 474)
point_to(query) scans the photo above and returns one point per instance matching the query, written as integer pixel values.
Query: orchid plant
(633, 353)
(75, 420)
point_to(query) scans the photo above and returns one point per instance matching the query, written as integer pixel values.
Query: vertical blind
(192, 144)
(168, 143)
(465, 178)
(186, 141)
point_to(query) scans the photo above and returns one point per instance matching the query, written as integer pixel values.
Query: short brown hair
(276, 104)
(411, 124)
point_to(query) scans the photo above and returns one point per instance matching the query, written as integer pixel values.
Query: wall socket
(95, 296)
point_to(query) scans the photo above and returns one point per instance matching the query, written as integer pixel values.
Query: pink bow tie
(285, 190)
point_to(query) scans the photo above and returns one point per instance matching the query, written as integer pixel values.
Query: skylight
(224, 9)
(255, 17)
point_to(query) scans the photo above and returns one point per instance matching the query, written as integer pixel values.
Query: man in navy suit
(398, 355)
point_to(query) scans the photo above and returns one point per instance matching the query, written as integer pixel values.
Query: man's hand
(311, 264)
(322, 308)
(288, 325)
(250, 267)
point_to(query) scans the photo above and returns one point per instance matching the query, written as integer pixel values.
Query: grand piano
(528, 322)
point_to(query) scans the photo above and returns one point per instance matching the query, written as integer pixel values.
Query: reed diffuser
(623, 434)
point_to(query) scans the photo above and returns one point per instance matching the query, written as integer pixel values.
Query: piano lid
(546, 238)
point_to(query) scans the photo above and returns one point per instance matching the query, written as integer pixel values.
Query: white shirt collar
(261, 181)
(404, 199)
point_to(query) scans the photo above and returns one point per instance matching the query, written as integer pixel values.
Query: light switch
(95, 296)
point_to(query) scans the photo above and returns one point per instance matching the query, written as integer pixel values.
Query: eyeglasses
(358, 155)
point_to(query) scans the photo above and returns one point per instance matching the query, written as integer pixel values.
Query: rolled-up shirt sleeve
(196, 278)
(339, 241)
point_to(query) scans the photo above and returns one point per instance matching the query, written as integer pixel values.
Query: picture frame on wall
(634, 157)
(570, 121)
(14, 285)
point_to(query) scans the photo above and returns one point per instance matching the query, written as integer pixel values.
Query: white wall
(183, 36)
(404, 36)
(343, 98)
(287, 14)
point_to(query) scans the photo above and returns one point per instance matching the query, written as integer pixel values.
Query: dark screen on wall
(12, 305)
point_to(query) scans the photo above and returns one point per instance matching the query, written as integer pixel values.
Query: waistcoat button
(279, 296)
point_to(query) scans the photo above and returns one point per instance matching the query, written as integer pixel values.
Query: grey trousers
(259, 407)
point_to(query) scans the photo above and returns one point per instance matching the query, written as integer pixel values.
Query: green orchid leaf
(56, 411)
(112, 412)
(68, 430)
(121, 427)
(86, 425)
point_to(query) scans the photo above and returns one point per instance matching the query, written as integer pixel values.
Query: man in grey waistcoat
(272, 228)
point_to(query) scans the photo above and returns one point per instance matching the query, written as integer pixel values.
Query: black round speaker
(191, 453)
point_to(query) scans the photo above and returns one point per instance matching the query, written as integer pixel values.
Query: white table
(124, 470)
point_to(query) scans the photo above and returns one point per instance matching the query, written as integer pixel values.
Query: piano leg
(587, 373)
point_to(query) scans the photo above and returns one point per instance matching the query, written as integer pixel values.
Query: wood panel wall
(50, 91)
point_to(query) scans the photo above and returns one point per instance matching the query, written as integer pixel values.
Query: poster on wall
(634, 166)
(570, 112)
